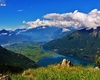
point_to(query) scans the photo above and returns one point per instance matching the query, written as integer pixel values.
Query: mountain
(8, 58)
(8, 36)
(39, 34)
(45, 34)
(84, 44)
(4, 31)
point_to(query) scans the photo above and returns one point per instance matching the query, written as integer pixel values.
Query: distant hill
(80, 44)
(4, 31)
(7, 36)
(8, 58)
(39, 34)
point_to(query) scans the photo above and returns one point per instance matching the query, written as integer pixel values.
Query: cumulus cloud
(50, 23)
(76, 19)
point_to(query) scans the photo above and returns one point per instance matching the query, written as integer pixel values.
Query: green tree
(97, 61)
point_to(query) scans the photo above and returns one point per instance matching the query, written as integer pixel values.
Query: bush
(97, 61)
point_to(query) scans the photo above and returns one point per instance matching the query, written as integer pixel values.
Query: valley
(38, 34)
(32, 50)
(49, 39)
(30, 60)
(35, 52)
(80, 46)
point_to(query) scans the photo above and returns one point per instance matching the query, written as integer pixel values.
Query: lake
(57, 58)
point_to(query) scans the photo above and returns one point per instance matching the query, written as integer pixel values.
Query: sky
(15, 12)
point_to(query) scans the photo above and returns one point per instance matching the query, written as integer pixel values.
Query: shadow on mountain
(11, 62)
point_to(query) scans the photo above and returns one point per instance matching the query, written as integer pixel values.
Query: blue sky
(16, 11)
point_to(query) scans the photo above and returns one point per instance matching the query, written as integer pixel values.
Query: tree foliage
(97, 61)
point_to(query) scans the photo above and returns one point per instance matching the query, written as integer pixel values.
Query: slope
(81, 44)
(15, 60)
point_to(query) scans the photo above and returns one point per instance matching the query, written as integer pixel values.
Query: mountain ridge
(39, 34)
(81, 43)
(13, 59)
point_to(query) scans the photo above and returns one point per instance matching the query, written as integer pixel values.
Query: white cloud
(50, 23)
(3, 4)
(76, 19)
(11, 29)
(20, 10)
(65, 30)
(3, 34)
(21, 31)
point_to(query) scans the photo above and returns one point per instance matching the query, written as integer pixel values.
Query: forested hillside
(81, 43)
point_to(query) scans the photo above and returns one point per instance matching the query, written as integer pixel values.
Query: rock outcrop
(96, 68)
(65, 63)
(4, 77)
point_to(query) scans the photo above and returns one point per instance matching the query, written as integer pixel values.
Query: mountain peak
(93, 32)
(4, 31)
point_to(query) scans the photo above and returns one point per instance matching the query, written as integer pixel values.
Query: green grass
(57, 73)
(35, 53)
(29, 49)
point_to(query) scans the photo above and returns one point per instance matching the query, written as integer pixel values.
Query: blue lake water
(57, 58)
